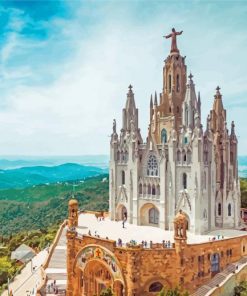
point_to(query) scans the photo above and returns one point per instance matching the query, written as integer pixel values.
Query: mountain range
(30, 176)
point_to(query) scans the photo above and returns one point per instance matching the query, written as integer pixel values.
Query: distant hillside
(31, 176)
(15, 162)
(38, 207)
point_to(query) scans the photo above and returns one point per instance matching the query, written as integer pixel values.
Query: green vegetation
(243, 186)
(36, 239)
(241, 289)
(107, 292)
(45, 205)
(173, 292)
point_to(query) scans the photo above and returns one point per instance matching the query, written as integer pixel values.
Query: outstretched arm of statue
(168, 36)
(179, 33)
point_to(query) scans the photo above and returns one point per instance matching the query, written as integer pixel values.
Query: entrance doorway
(122, 213)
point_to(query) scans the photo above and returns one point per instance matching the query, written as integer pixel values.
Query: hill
(38, 207)
(31, 176)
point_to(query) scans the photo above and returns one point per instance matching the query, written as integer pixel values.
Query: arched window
(229, 209)
(163, 136)
(170, 109)
(186, 116)
(149, 189)
(178, 83)
(153, 215)
(155, 287)
(152, 166)
(185, 140)
(170, 83)
(178, 156)
(123, 178)
(177, 109)
(144, 189)
(219, 209)
(140, 188)
(184, 181)
(158, 190)
(185, 157)
(231, 157)
(153, 190)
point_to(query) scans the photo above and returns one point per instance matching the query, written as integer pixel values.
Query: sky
(65, 67)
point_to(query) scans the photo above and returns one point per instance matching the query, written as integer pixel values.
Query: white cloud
(73, 114)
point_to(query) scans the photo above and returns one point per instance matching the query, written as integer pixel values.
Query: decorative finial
(130, 88)
(173, 35)
(217, 90)
(190, 76)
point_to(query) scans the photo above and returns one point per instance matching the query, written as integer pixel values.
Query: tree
(241, 289)
(173, 292)
(107, 292)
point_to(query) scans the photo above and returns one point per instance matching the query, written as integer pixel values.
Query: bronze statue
(173, 35)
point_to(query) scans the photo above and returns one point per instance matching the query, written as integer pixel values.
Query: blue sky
(65, 67)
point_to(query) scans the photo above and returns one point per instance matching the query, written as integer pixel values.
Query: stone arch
(145, 214)
(93, 258)
(164, 282)
(121, 212)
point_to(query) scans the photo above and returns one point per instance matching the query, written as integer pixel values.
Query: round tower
(73, 213)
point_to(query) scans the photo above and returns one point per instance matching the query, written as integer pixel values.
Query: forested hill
(38, 207)
(35, 175)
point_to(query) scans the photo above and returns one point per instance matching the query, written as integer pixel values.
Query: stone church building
(181, 164)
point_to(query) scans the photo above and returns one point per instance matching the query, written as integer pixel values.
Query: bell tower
(168, 113)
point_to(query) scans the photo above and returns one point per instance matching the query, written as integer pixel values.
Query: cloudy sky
(65, 67)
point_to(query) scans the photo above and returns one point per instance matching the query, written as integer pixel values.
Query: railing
(46, 264)
(149, 196)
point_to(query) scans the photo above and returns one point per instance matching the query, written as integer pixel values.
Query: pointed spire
(151, 101)
(233, 128)
(199, 99)
(155, 99)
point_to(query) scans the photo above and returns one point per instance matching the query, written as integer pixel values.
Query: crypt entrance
(98, 270)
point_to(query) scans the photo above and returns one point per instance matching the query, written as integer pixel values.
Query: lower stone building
(134, 268)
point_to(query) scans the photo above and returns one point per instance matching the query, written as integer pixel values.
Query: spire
(190, 78)
(130, 112)
(199, 103)
(155, 99)
(190, 105)
(151, 102)
(130, 103)
(218, 105)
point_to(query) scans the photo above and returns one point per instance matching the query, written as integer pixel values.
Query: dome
(73, 202)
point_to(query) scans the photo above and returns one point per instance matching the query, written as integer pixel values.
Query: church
(182, 165)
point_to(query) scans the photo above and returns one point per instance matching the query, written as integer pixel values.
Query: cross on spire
(130, 87)
(190, 76)
(217, 90)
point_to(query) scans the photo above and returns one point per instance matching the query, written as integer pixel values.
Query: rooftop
(114, 230)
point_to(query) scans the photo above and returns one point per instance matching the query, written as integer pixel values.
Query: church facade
(181, 165)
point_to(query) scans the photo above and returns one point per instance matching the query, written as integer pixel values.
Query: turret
(130, 112)
(218, 113)
(73, 213)
(190, 105)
